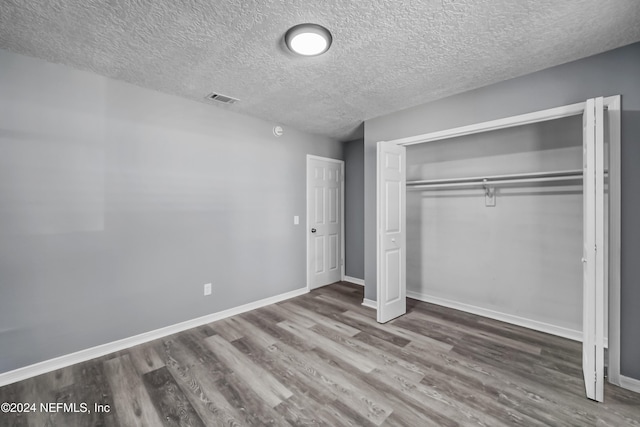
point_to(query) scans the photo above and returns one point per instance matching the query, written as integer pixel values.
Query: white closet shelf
(564, 175)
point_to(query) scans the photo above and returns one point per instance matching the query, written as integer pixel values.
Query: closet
(508, 219)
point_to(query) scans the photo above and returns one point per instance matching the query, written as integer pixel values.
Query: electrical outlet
(207, 289)
(296, 220)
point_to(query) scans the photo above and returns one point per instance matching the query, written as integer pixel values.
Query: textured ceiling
(386, 55)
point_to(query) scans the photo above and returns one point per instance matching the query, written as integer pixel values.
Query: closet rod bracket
(489, 194)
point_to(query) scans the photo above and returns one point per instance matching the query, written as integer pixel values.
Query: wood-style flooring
(322, 360)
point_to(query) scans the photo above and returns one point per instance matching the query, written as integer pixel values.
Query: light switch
(296, 220)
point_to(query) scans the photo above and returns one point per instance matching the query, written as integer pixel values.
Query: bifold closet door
(391, 236)
(593, 249)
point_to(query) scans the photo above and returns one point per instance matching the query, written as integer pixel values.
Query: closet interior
(494, 224)
(516, 219)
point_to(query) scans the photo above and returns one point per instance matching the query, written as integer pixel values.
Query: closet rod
(496, 182)
(493, 178)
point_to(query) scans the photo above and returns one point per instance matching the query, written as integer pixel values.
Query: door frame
(308, 220)
(613, 110)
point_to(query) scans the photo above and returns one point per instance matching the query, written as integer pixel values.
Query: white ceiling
(386, 55)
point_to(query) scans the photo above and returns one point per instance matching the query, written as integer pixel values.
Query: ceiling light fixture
(308, 39)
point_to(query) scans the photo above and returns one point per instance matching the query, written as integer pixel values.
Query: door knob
(313, 230)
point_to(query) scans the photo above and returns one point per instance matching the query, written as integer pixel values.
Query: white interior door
(593, 249)
(324, 221)
(391, 240)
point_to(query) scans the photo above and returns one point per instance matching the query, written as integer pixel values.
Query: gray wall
(610, 73)
(354, 208)
(520, 258)
(118, 203)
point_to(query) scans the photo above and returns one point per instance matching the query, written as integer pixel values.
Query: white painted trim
(370, 303)
(326, 159)
(342, 211)
(104, 349)
(613, 107)
(630, 383)
(571, 334)
(342, 237)
(354, 280)
(507, 122)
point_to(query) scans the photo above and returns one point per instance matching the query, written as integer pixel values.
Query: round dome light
(308, 39)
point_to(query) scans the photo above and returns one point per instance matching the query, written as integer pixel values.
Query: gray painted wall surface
(520, 257)
(354, 208)
(117, 204)
(611, 73)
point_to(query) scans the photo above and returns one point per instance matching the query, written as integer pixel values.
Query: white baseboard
(370, 303)
(353, 280)
(503, 317)
(630, 383)
(104, 349)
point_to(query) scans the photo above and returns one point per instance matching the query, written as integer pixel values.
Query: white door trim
(612, 104)
(507, 122)
(308, 220)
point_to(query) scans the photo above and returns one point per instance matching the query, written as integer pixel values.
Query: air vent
(224, 99)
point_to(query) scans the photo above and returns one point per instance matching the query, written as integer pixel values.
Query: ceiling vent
(223, 99)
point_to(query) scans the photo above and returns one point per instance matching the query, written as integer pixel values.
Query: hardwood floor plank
(367, 402)
(130, 398)
(286, 370)
(255, 410)
(299, 412)
(358, 290)
(145, 358)
(342, 291)
(285, 312)
(197, 378)
(317, 319)
(329, 309)
(429, 329)
(341, 304)
(473, 376)
(170, 402)
(203, 331)
(277, 332)
(321, 359)
(90, 385)
(383, 360)
(326, 386)
(414, 338)
(257, 335)
(369, 388)
(38, 390)
(11, 394)
(261, 381)
(355, 359)
(476, 331)
(227, 329)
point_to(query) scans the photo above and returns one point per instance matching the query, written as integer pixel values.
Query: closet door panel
(593, 249)
(391, 239)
